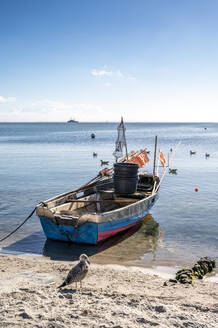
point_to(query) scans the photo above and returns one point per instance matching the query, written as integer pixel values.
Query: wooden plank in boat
(117, 200)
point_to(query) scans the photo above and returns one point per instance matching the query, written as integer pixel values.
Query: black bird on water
(104, 162)
(173, 171)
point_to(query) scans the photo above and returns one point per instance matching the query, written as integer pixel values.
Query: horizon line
(61, 122)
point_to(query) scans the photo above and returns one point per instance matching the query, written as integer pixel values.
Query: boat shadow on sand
(132, 243)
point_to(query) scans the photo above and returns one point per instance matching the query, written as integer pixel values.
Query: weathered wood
(117, 200)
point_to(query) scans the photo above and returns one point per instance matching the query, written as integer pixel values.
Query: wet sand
(112, 296)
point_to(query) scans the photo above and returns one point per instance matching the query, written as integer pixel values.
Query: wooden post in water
(155, 155)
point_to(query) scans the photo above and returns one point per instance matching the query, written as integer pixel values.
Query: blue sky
(96, 60)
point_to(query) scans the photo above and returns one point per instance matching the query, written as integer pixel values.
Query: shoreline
(161, 270)
(112, 296)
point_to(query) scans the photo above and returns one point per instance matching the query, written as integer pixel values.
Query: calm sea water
(41, 160)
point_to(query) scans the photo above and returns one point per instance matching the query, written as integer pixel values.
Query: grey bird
(173, 171)
(104, 162)
(78, 272)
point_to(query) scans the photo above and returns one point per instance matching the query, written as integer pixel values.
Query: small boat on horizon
(72, 121)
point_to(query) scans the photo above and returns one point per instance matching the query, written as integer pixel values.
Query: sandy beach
(112, 296)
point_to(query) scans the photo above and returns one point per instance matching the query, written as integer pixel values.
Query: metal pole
(158, 164)
(155, 155)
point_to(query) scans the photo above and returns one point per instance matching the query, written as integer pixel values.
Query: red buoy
(196, 189)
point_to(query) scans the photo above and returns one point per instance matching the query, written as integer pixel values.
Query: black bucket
(126, 170)
(125, 178)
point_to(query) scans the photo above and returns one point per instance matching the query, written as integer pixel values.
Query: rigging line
(165, 169)
(11, 233)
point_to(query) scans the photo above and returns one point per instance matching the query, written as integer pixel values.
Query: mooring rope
(11, 233)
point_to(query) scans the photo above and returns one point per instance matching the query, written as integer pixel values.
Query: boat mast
(124, 137)
(155, 155)
(120, 142)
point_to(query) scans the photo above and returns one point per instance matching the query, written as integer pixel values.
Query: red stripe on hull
(108, 233)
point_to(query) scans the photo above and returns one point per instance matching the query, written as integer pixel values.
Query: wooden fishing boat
(112, 202)
(96, 212)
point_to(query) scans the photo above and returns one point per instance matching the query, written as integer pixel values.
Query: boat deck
(101, 202)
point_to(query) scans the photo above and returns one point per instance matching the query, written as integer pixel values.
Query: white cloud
(53, 111)
(105, 73)
(118, 73)
(101, 73)
(54, 106)
(47, 106)
(109, 73)
(7, 100)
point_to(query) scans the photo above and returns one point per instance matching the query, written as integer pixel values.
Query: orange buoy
(196, 189)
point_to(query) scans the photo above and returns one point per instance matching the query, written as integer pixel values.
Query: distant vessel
(72, 121)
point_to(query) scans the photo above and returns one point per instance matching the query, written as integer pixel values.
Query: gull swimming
(78, 272)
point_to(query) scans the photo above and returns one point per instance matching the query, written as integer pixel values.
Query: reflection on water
(153, 236)
(133, 249)
(130, 245)
(71, 251)
(143, 245)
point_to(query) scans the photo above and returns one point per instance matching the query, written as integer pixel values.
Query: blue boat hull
(92, 232)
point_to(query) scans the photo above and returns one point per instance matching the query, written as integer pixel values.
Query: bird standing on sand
(78, 272)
